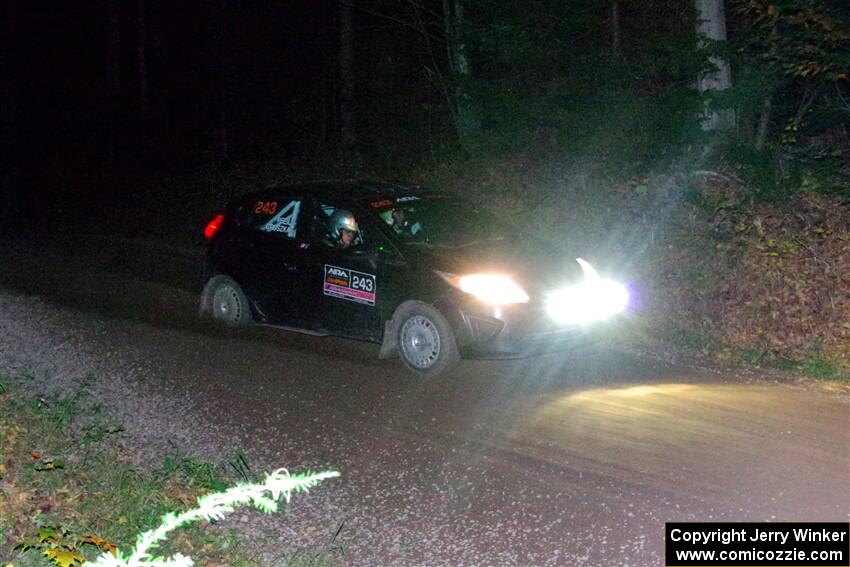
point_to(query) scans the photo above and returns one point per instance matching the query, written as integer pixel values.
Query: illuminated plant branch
(214, 506)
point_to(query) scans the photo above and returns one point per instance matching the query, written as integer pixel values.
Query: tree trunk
(113, 51)
(763, 128)
(764, 122)
(221, 53)
(710, 28)
(156, 59)
(8, 114)
(615, 30)
(346, 74)
(467, 119)
(141, 58)
(461, 57)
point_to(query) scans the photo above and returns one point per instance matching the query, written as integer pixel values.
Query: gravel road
(572, 459)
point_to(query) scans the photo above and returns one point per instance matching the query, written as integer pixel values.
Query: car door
(351, 287)
(276, 244)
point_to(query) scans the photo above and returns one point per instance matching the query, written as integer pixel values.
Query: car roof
(353, 190)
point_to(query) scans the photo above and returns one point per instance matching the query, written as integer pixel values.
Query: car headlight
(495, 289)
(594, 299)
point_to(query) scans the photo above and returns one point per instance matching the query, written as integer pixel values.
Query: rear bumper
(514, 331)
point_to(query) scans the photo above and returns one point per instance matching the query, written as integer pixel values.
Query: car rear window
(269, 214)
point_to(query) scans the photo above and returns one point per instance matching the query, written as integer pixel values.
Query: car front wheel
(226, 302)
(426, 342)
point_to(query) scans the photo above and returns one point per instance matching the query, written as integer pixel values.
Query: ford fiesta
(426, 275)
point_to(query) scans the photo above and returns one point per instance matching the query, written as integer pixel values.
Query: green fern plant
(215, 506)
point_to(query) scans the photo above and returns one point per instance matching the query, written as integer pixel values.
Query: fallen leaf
(47, 534)
(64, 557)
(100, 542)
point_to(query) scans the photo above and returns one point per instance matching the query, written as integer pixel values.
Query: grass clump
(68, 496)
(819, 366)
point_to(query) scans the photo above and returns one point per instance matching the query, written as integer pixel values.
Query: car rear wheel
(225, 301)
(426, 342)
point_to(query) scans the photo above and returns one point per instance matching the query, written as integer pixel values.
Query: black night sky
(103, 96)
(126, 87)
(264, 64)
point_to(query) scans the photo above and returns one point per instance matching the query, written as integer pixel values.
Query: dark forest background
(588, 120)
(118, 88)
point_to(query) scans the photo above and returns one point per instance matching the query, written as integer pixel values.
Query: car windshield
(439, 222)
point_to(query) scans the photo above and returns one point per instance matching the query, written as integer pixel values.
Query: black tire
(225, 302)
(426, 343)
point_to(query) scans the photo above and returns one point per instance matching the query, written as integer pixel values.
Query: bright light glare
(494, 289)
(594, 299)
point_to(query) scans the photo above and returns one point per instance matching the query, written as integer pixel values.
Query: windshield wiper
(479, 241)
(454, 246)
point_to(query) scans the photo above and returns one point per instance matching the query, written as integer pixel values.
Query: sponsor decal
(407, 198)
(349, 285)
(381, 203)
(284, 221)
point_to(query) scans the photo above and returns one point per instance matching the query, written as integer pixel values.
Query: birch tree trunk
(467, 119)
(710, 28)
(346, 74)
(461, 59)
(615, 30)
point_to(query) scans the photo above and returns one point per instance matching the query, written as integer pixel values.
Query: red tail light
(213, 226)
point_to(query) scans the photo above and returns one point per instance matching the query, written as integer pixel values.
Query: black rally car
(423, 273)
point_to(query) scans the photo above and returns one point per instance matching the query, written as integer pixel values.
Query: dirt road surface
(573, 459)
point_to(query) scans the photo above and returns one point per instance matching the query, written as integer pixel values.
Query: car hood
(535, 265)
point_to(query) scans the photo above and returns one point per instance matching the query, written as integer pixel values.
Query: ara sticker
(284, 221)
(349, 285)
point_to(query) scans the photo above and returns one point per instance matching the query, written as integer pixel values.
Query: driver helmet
(340, 220)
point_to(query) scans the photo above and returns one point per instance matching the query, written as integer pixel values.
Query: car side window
(276, 216)
(375, 239)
